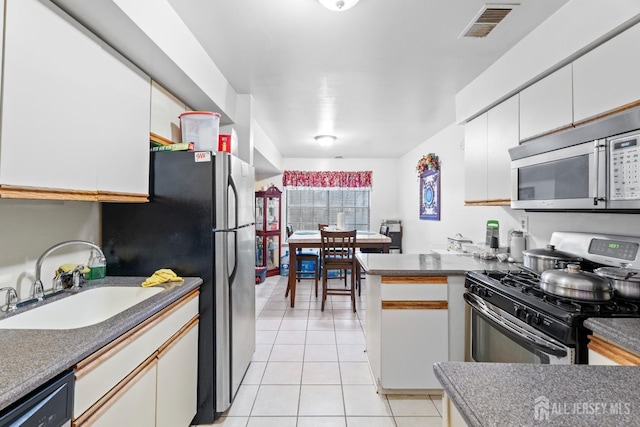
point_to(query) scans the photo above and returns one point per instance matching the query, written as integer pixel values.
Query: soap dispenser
(97, 266)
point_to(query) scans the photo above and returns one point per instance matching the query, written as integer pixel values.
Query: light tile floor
(310, 369)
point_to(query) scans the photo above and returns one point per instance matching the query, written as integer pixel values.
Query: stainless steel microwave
(598, 175)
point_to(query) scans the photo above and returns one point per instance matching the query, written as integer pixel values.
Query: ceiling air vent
(489, 16)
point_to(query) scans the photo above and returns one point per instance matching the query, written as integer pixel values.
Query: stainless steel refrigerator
(199, 222)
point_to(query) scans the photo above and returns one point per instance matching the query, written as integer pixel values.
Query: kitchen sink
(79, 310)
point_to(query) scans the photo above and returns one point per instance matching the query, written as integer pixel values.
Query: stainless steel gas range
(514, 321)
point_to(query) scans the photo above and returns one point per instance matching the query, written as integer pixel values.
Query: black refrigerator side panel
(172, 231)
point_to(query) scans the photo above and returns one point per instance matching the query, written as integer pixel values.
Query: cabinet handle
(415, 305)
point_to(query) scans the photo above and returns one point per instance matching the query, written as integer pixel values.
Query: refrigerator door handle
(234, 190)
(234, 270)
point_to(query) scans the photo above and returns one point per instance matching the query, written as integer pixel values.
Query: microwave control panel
(624, 168)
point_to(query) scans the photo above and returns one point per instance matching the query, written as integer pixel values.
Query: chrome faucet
(12, 298)
(38, 288)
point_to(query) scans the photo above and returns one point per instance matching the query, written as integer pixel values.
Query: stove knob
(482, 292)
(528, 317)
(518, 311)
(537, 319)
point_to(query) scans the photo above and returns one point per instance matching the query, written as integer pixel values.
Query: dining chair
(338, 253)
(304, 255)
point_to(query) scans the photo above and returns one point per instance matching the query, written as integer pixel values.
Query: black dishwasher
(48, 406)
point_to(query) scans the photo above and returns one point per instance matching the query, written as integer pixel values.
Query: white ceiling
(381, 76)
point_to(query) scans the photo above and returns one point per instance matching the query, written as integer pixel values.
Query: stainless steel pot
(625, 281)
(548, 258)
(574, 283)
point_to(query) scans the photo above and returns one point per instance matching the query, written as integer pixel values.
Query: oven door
(497, 336)
(564, 179)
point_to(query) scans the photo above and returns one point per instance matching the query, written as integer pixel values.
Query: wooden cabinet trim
(160, 140)
(17, 192)
(415, 305)
(171, 342)
(416, 280)
(94, 360)
(612, 351)
(112, 196)
(496, 202)
(112, 396)
(609, 113)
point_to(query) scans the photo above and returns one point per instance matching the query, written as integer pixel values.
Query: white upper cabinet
(75, 114)
(475, 159)
(547, 105)
(606, 78)
(487, 139)
(165, 113)
(502, 134)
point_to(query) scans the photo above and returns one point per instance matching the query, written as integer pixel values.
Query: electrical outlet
(524, 223)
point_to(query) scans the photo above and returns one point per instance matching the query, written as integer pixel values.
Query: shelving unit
(268, 229)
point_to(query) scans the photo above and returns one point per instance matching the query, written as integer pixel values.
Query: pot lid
(574, 278)
(619, 273)
(550, 252)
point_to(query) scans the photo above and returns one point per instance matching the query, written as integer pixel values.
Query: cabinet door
(596, 358)
(69, 101)
(177, 379)
(412, 341)
(165, 113)
(607, 78)
(502, 134)
(547, 105)
(134, 405)
(475, 159)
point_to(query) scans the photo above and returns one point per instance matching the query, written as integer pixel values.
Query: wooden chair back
(322, 226)
(338, 248)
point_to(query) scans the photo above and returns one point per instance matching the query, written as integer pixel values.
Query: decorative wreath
(428, 162)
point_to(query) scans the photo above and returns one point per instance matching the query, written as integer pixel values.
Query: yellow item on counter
(163, 275)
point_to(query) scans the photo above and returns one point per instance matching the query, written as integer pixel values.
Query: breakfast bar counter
(427, 264)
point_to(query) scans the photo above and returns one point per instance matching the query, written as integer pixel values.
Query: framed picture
(430, 195)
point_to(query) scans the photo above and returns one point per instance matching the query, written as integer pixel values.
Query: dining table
(304, 239)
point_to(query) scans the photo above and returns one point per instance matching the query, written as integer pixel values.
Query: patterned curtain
(357, 179)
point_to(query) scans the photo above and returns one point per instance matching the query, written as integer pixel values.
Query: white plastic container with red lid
(201, 128)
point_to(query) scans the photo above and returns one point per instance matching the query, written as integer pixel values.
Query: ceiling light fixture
(338, 5)
(325, 140)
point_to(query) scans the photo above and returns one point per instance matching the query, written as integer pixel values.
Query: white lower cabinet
(134, 405)
(596, 358)
(407, 330)
(149, 373)
(176, 398)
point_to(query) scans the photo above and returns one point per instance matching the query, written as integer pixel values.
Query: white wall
(420, 235)
(29, 227)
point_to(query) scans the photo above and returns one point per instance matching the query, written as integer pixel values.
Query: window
(308, 207)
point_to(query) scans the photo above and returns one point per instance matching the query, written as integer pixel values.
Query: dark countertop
(427, 264)
(32, 357)
(507, 394)
(622, 332)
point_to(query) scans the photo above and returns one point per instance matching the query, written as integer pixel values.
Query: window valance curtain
(358, 179)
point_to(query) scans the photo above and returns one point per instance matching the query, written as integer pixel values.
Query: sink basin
(79, 310)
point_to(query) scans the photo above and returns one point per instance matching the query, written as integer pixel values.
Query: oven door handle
(506, 325)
